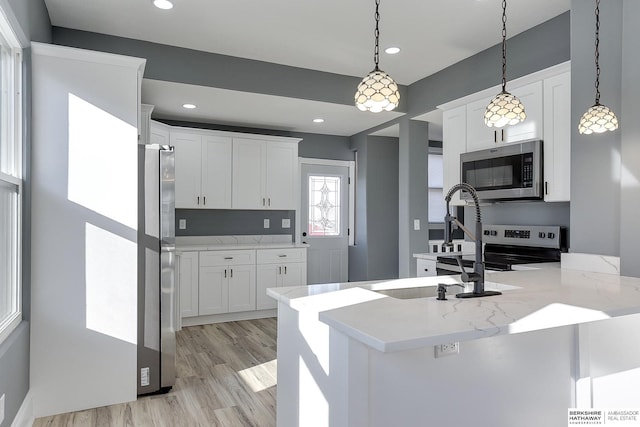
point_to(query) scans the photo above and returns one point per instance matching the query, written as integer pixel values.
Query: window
(324, 205)
(10, 179)
(437, 206)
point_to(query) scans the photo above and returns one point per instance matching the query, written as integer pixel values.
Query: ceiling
(330, 35)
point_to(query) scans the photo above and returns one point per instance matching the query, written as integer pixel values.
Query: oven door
(511, 171)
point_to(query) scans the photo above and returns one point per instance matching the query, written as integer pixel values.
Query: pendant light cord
(597, 52)
(504, 45)
(376, 52)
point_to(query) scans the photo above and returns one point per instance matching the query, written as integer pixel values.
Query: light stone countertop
(216, 243)
(545, 298)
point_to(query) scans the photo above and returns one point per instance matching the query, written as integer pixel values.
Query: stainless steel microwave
(508, 172)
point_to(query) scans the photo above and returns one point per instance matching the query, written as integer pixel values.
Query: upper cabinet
(264, 174)
(454, 134)
(202, 170)
(557, 138)
(159, 133)
(546, 96)
(480, 136)
(226, 170)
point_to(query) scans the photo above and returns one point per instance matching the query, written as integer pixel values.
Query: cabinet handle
(280, 270)
(502, 135)
(198, 200)
(495, 136)
(282, 256)
(225, 273)
(269, 200)
(263, 202)
(204, 200)
(285, 269)
(231, 275)
(228, 257)
(546, 188)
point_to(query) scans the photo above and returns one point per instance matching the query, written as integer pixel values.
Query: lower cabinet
(227, 289)
(219, 282)
(277, 268)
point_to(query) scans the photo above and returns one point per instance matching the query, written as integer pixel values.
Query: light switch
(286, 223)
(416, 224)
(266, 223)
(182, 224)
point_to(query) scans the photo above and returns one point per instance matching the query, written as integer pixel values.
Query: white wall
(84, 222)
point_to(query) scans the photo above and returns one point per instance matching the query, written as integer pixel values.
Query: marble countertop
(216, 243)
(434, 256)
(542, 298)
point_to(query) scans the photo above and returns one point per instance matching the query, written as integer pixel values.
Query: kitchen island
(349, 355)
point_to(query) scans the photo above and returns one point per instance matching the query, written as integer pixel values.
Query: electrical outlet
(266, 223)
(182, 224)
(416, 224)
(1, 409)
(144, 377)
(286, 223)
(447, 349)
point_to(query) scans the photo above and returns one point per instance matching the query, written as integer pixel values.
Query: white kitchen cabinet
(480, 136)
(202, 170)
(557, 138)
(277, 268)
(188, 283)
(426, 267)
(227, 282)
(264, 174)
(159, 133)
(454, 136)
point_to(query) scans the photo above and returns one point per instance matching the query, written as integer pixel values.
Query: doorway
(326, 218)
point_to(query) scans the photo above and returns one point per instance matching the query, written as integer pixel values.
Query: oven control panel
(547, 236)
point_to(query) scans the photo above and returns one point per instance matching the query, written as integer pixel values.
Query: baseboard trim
(24, 417)
(228, 317)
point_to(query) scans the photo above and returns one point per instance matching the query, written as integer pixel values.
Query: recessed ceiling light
(188, 106)
(392, 50)
(162, 4)
(318, 120)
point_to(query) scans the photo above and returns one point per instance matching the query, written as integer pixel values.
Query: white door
(324, 221)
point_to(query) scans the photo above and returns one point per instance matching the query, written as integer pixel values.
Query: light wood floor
(226, 375)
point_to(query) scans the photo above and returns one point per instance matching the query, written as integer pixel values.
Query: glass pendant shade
(377, 92)
(504, 109)
(598, 119)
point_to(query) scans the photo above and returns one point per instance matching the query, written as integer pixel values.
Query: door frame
(351, 167)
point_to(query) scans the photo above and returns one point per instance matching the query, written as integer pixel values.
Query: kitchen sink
(432, 290)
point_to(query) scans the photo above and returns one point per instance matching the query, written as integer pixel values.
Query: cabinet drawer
(222, 258)
(276, 256)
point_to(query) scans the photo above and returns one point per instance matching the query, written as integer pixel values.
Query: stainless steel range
(509, 245)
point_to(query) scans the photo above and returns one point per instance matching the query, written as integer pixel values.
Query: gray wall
(375, 255)
(220, 222)
(176, 64)
(30, 19)
(595, 159)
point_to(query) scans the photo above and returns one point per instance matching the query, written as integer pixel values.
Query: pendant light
(377, 91)
(597, 118)
(505, 108)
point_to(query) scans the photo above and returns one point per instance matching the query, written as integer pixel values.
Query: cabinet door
(242, 288)
(294, 274)
(453, 144)
(531, 97)
(426, 268)
(479, 135)
(248, 174)
(159, 134)
(213, 290)
(216, 172)
(267, 276)
(187, 169)
(281, 175)
(557, 138)
(188, 283)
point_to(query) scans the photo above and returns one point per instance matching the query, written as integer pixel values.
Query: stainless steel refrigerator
(157, 308)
